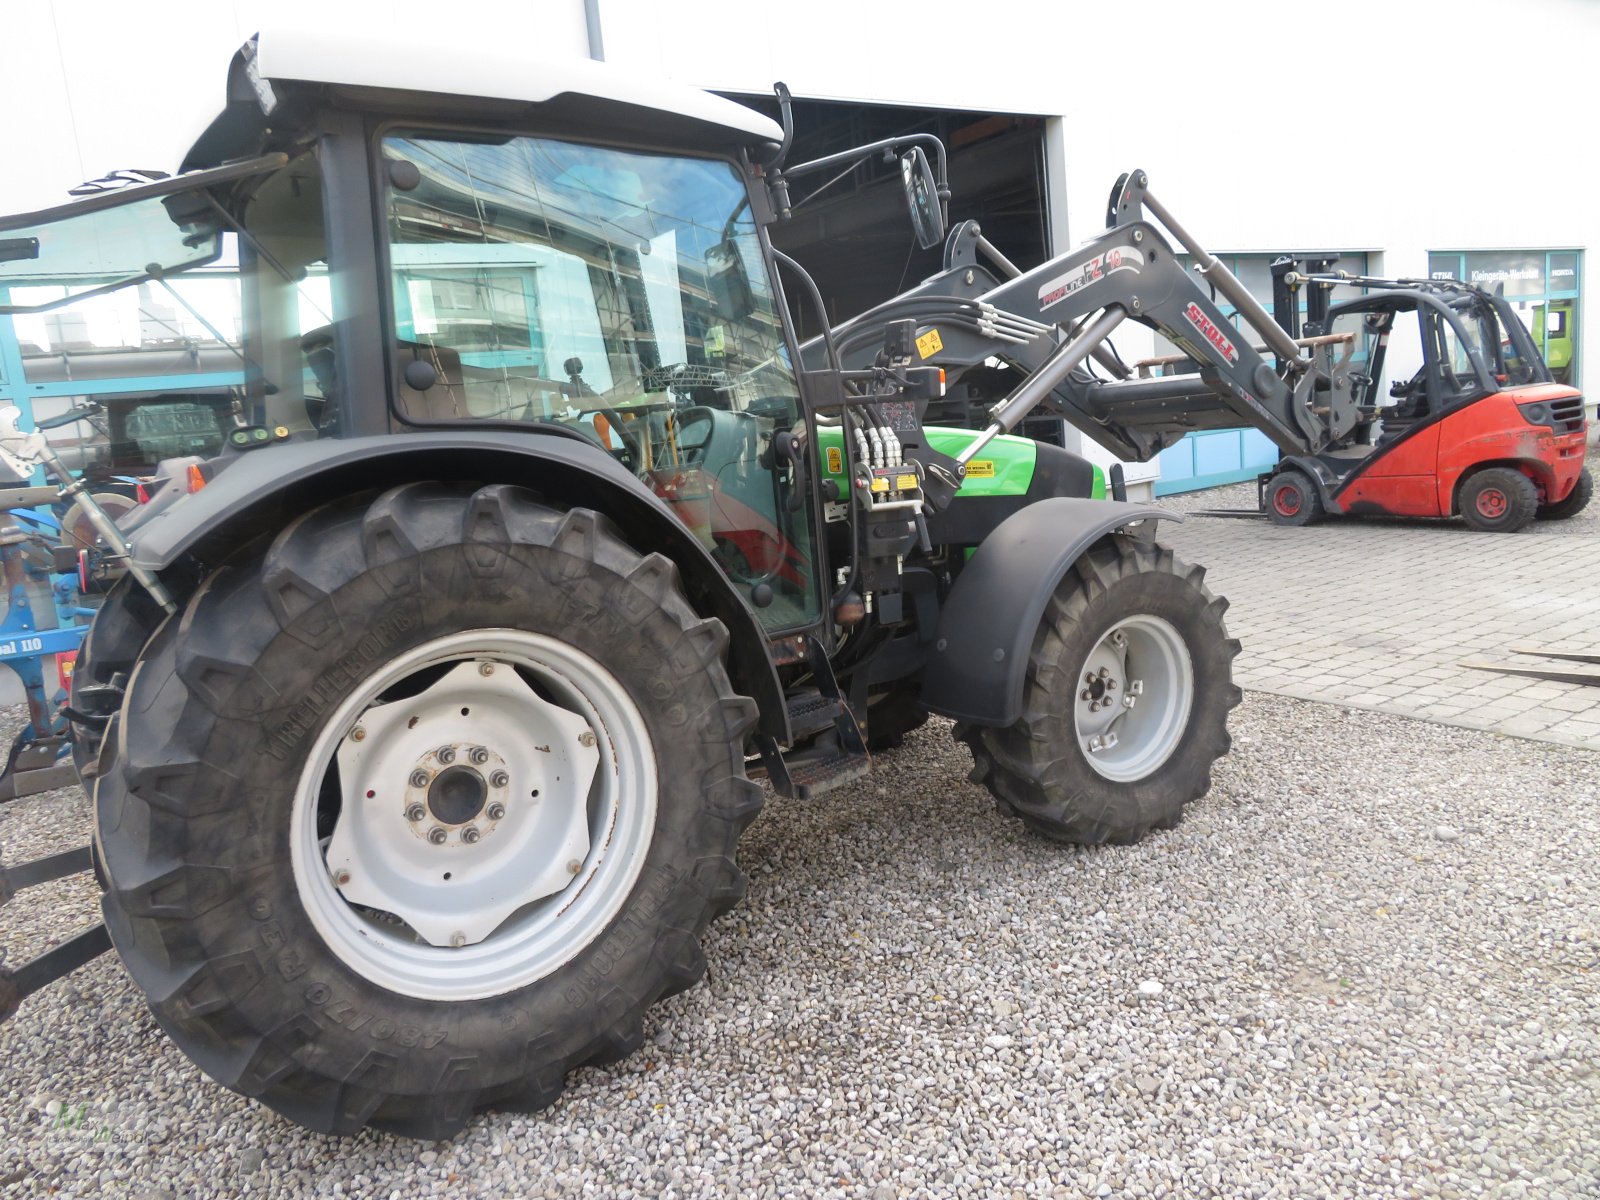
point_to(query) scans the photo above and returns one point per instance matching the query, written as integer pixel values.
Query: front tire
(1498, 500)
(1576, 501)
(423, 809)
(1292, 499)
(1082, 764)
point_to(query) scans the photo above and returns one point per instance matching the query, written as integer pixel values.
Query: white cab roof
(388, 58)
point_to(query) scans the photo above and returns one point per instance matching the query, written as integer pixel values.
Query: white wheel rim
(1132, 698)
(518, 883)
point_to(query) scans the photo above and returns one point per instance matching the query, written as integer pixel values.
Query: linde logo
(1211, 333)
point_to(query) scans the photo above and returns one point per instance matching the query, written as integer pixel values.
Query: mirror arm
(774, 165)
(888, 145)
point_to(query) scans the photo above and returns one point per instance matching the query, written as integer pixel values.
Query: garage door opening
(854, 237)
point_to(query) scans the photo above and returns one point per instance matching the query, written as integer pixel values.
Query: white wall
(91, 86)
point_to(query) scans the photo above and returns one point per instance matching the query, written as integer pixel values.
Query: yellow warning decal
(905, 483)
(835, 461)
(880, 485)
(930, 344)
(980, 468)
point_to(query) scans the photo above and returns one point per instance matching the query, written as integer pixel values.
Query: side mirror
(922, 198)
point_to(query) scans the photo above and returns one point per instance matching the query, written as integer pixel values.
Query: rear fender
(261, 491)
(976, 670)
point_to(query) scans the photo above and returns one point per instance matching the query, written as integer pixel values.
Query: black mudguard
(261, 490)
(975, 672)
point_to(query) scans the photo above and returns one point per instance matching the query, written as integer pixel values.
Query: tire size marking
(346, 1015)
(335, 683)
(649, 898)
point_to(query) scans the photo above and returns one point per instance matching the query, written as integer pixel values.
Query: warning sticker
(930, 344)
(980, 468)
(835, 461)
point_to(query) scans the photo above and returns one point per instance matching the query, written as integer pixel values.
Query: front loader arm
(1046, 321)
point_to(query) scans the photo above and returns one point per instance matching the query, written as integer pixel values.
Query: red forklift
(1480, 430)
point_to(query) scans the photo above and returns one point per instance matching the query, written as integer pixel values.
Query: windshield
(540, 264)
(620, 294)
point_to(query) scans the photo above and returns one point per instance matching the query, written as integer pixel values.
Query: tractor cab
(456, 268)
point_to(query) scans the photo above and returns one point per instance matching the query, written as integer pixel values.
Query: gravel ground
(1367, 964)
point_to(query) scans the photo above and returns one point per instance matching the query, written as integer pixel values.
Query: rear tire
(1577, 500)
(1498, 500)
(1147, 616)
(1292, 499)
(269, 887)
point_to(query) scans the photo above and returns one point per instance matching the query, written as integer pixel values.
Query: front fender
(262, 490)
(980, 655)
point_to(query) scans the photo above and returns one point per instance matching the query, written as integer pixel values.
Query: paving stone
(1381, 614)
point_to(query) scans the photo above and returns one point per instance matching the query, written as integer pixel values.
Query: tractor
(422, 718)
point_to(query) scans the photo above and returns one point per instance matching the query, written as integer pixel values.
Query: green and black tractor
(423, 713)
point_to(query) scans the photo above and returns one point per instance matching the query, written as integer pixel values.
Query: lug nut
(458, 940)
(496, 811)
(1104, 673)
(419, 779)
(574, 867)
(470, 834)
(415, 812)
(1111, 685)
(586, 738)
(340, 878)
(447, 754)
(357, 734)
(437, 836)
(499, 779)
(1086, 694)
(1088, 677)
(478, 756)
(486, 668)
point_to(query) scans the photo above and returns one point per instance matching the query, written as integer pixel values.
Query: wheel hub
(462, 803)
(1492, 502)
(1134, 701)
(457, 795)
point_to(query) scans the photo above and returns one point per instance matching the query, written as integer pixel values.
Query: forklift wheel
(1498, 500)
(1577, 500)
(1292, 499)
(1125, 707)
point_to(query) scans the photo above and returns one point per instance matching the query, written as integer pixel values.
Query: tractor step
(838, 756)
(812, 712)
(821, 769)
(16, 986)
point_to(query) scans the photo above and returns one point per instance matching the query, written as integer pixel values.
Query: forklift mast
(1046, 322)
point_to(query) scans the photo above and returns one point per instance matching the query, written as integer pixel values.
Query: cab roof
(455, 70)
